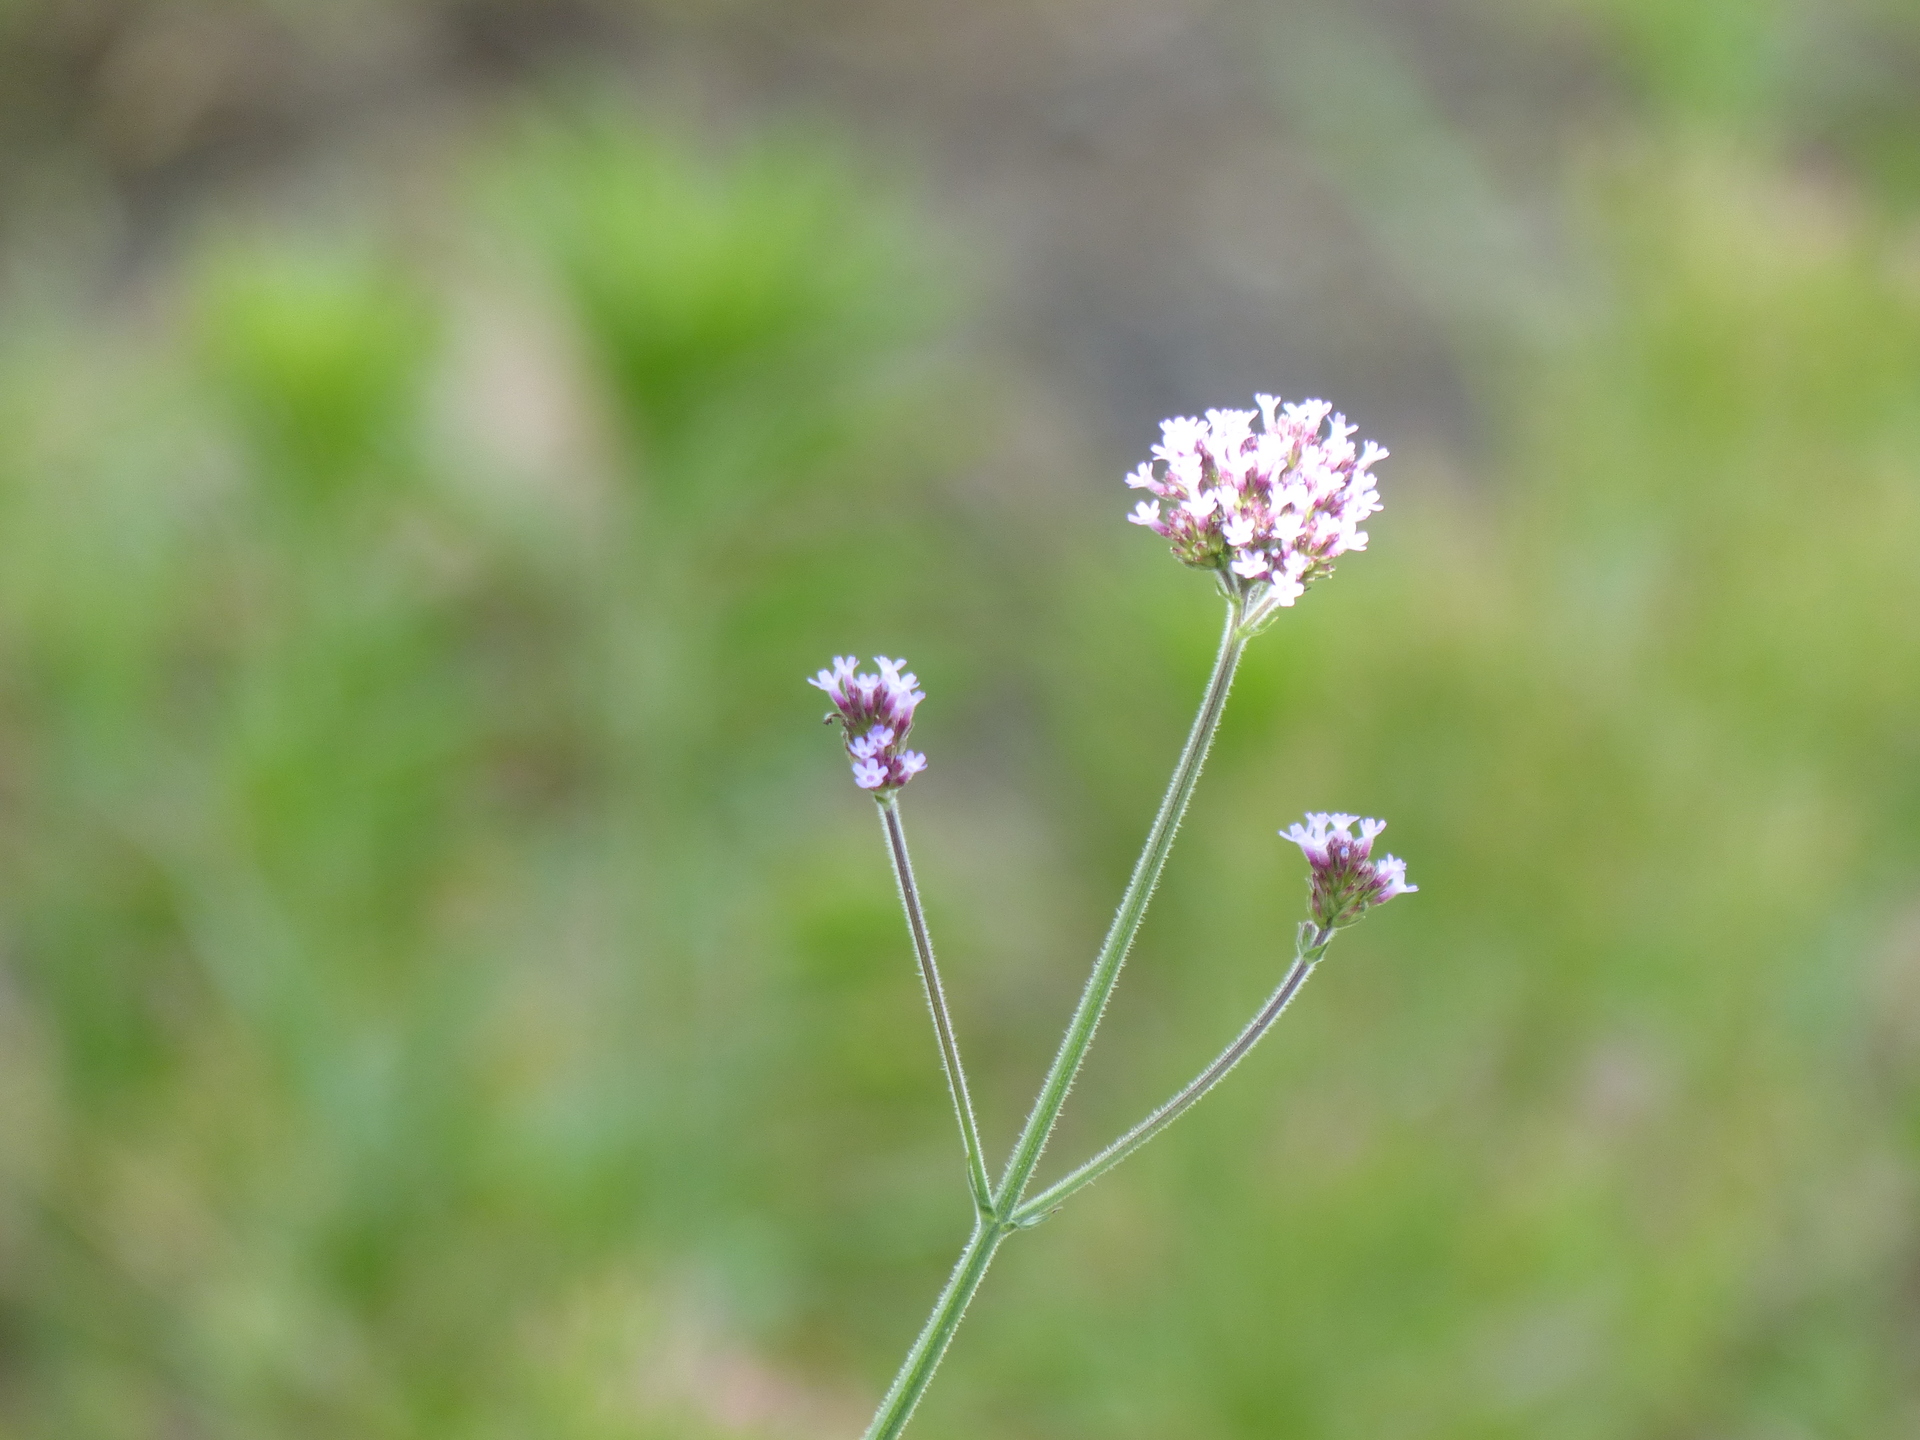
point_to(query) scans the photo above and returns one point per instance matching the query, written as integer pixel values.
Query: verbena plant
(1267, 511)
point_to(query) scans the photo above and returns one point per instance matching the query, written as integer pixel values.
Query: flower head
(874, 713)
(1268, 509)
(1346, 881)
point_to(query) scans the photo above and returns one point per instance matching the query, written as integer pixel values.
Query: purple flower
(874, 712)
(1268, 509)
(1346, 881)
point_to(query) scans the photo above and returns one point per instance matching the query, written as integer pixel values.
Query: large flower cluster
(1269, 509)
(1346, 881)
(875, 712)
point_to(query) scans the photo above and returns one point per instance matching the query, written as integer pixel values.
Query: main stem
(1040, 1206)
(1126, 921)
(977, 1180)
(911, 1383)
(990, 1228)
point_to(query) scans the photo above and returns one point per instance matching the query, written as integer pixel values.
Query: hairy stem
(1126, 921)
(911, 1383)
(977, 1180)
(1313, 947)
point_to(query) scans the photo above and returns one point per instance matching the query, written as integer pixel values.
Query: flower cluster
(1268, 509)
(875, 713)
(1346, 881)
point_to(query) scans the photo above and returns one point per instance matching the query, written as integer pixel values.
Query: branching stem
(991, 1225)
(1126, 921)
(1312, 949)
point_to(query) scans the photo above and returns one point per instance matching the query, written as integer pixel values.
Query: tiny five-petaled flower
(875, 712)
(1269, 510)
(1346, 881)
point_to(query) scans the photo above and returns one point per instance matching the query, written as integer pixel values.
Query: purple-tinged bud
(874, 713)
(1346, 880)
(1268, 510)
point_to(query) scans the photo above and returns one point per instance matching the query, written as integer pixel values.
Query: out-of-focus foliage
(389, 953)
(451, 989)
(321, 358)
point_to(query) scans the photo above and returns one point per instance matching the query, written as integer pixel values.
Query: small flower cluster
(875, 712)
(1346, 880)
(1271, 508)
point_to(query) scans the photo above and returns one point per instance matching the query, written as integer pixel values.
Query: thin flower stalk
(1344, 882)
(1126, 920)
(977, 1181)
(1313, 948)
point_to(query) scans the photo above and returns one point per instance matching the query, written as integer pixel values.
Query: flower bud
(1346, 881)
(874, 713)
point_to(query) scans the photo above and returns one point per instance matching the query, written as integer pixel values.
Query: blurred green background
(448, 984)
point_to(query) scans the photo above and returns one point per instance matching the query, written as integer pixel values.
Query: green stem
(977, 1180)
(1313, 948)
(911, 1383)
(989, 1228)
(1126, 921)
